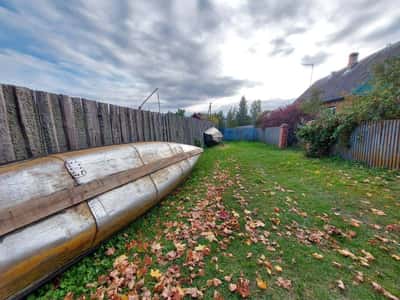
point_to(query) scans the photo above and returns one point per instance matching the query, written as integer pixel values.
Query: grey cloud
(281, 47)
(131, 48)
(388, 32)
(315, 59)
(279, 11)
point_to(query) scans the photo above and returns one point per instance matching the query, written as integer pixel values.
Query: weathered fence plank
(123, 116)
(105, 124)
(115, 124)
(7, 147)
(92, 123)
(30, 122)
(80, 123)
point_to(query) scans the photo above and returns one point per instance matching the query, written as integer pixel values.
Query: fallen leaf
(358, 277)
(378, 212)
(261, 283)
(217, 296)
(336, 264)
(378, 288)
(317, 255)
(214, 282)
(69, 296)
(284, 283)
(232, 287)
(193, 292)
(278, 269)
(340, 284)
(242, 287)
(110, 251)
(155, 273)
(396, 257)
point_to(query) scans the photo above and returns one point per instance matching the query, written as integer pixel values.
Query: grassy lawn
(253, 221)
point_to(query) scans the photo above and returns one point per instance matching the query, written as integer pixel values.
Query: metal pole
(145, 100)
(158, 100)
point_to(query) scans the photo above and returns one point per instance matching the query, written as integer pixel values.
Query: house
(353, 79)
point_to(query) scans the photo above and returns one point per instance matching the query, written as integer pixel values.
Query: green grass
(273, 184)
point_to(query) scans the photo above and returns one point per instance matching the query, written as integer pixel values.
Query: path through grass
(253, 221)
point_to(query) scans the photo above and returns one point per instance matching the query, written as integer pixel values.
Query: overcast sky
(193, 51)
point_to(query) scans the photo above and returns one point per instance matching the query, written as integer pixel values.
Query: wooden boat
(212, 136)
(56, 209)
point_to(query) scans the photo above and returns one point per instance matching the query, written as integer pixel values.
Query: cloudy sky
(193, 51)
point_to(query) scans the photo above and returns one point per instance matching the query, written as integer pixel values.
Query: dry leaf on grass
(340, 284)
(317, 255)
(242, 287)
(377, 287)
(110, 251)
(378, 212)
(284, 283)
(261, 283)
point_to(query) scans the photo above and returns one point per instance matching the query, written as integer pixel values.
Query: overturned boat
(212, 136)
(56, 209)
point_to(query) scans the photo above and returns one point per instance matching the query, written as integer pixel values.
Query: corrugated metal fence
(376, 142)
(246, 133)
(36, 123)
(268, 135)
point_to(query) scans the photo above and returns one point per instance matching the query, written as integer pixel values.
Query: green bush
(382, 102)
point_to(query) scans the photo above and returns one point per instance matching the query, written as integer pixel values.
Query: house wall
(340, 105)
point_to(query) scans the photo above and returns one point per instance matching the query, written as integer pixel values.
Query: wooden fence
(36, 123)
(376, 142)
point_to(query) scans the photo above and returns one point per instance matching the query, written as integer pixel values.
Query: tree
(242, 116)
(313, 106)
(255, 111)
(221, 120)
(180, 112)
(231, 117)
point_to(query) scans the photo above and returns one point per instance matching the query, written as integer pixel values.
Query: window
(332, 109)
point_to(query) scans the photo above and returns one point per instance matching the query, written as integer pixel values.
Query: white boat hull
(33, 251)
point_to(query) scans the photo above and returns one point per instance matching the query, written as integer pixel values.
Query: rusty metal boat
(56, 209)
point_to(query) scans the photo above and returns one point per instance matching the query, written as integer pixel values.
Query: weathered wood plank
(139, 124)
(29, 118)
(124, 120)
(14, 125)
(132, 125)
(69, 122)
(80, 123)
(7, 148)
(92, 123)
(115, 124)
(105, 124)
(47, 121)
(146, 126)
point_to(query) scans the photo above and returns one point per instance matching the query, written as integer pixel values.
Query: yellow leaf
(278, 269)
(261, 283)
(317, 255)
(199, 248)
(155, 273)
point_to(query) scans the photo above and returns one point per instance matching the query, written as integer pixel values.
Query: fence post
(283, 136)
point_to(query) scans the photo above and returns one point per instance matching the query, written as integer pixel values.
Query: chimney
(353, 59)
